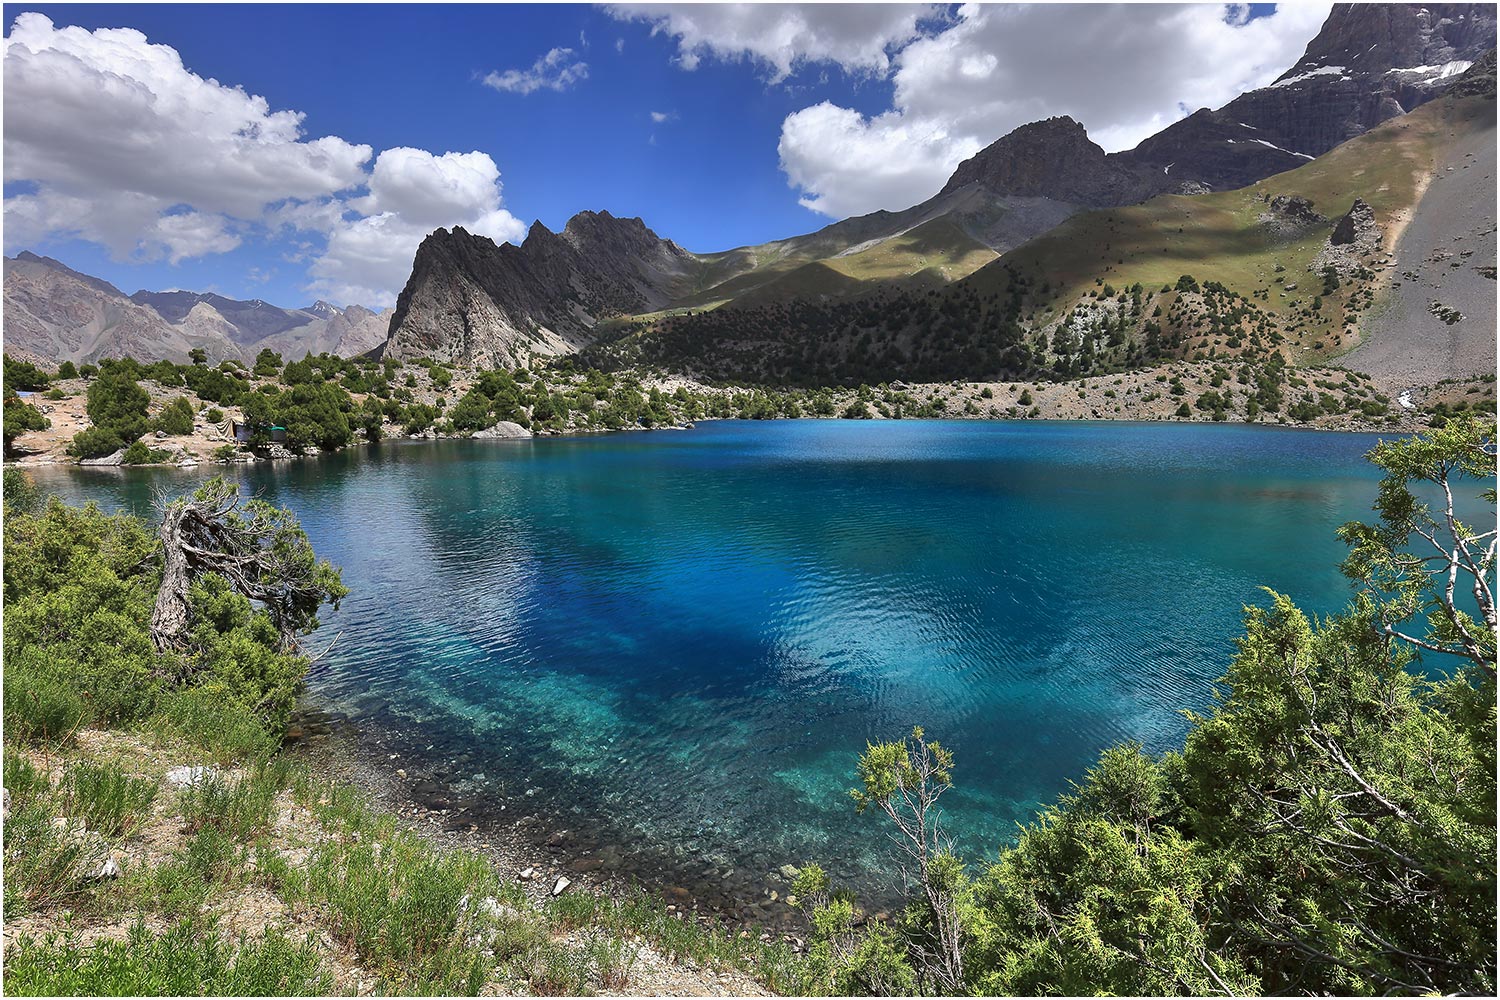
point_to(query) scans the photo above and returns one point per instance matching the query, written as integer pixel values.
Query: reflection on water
(680, 641)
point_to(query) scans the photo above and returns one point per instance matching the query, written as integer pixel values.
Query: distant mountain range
(54, 313)
(605, 278)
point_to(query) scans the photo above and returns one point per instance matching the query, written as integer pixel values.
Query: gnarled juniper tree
(259, 549)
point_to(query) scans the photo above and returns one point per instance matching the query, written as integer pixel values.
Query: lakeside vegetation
(164, 412)
(1328, 827)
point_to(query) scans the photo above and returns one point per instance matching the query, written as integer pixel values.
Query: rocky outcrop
(471, 300)
(1356, 227)
(1295, 208)
(503, 429)
(1354, 239)
(1478, 80)
(1291, 216)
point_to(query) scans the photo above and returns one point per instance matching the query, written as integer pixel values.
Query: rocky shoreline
(546, 855)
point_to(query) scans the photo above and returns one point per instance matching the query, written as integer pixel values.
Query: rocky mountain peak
(1053, 158)
(1374, 38)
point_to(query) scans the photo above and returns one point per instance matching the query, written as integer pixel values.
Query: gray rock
(182, 777)
(504, 429)
(118, 458)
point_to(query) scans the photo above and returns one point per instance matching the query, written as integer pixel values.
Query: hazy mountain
(54, 313)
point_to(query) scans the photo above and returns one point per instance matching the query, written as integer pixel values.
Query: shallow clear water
(681, 640)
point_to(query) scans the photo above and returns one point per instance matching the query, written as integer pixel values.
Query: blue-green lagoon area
(675, 644)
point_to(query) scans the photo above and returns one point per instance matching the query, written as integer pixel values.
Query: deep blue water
(683, 639)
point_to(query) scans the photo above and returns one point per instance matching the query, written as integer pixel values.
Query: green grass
(241, 808)
(1218, 236)
(183, 961)
(110, 801)
(47, 865)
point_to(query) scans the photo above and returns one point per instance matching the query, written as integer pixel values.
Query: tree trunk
(169, 618)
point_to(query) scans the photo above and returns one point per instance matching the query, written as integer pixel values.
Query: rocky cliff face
(471, 300)
(1052, 159)
(1369, 63)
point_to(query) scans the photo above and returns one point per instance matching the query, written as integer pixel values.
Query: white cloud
(193, 234)
(111, 139)
(1124, 71)
(411, 193)
(821, 145)
(89, 115)
(663, 116)
(857, 36)
(557, 70)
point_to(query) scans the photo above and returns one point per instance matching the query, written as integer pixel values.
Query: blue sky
(774, 121)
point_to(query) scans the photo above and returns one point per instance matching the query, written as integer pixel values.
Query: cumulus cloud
(114, 132)
(111, 139)
(1124, 71)
(783, 37)
(663, 116)
(821, 145)
(411, 192)
(559, 69)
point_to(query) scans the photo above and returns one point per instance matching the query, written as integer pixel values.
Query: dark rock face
(1369, 63)
(1357, 225)
(470, 300)
(1296, 208)
(1478, 80)
(1052, 159)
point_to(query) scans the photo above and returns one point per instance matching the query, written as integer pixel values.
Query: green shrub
(26, 783)
(117, 403)
(139, 453)
(41, 707)
(238, 809)
(23, 376)
(95, 442)
(19, 417)
(397, 902)
(45, 865)
(176, 418)
(227, 732)
(21, 493)
(213, 415)
(210, 861)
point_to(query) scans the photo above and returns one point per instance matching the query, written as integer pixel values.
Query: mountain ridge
(55, 313)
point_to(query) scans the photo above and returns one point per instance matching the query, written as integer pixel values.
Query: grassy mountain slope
(1233, 275)
(1225, 237)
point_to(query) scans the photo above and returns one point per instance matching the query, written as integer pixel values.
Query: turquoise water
(678, 642)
